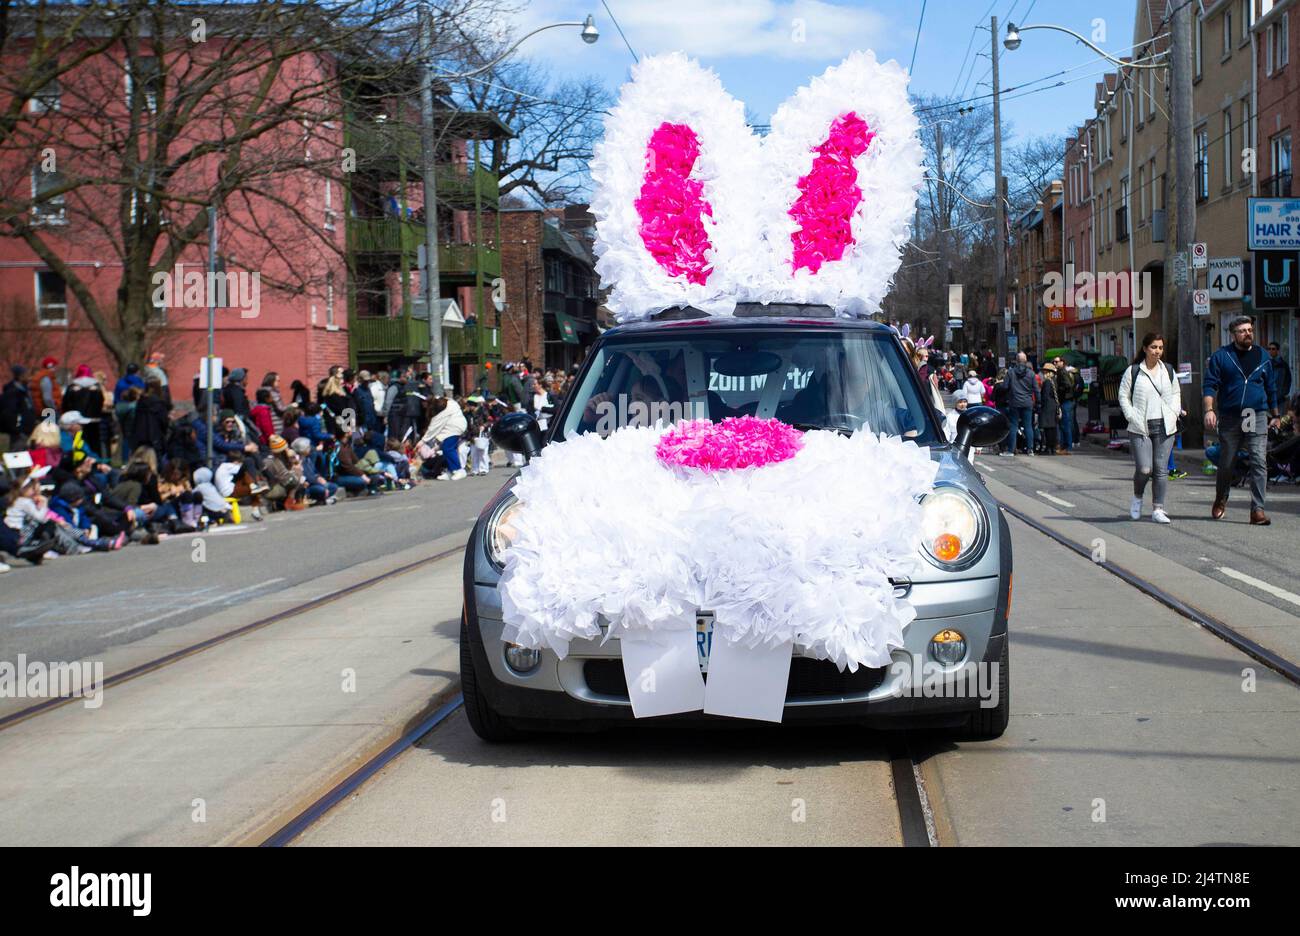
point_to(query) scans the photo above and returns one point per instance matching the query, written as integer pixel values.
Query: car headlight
(954, 527)
(501, 531)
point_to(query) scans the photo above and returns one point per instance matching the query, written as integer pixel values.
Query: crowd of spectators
(93, 465)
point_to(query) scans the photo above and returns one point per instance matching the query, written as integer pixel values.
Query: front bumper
(586, 686)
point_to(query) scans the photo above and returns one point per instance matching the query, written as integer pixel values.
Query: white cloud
(785, 29)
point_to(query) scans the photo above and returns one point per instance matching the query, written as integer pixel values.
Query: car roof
(753, 322)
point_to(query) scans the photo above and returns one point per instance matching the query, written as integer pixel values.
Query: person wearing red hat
(46, 393)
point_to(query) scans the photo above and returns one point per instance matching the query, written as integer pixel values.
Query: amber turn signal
(947, 547)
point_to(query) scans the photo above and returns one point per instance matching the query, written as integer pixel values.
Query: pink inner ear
(829, 195)
(672, 204)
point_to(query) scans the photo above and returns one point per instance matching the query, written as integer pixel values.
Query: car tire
(986, 724)
(487, 723)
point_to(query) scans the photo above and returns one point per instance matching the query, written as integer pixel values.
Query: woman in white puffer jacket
(973, 389)
(445, 429)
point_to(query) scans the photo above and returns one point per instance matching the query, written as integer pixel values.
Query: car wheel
(487, 723)
(989, 723)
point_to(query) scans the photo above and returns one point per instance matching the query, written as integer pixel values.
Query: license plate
(704, 638)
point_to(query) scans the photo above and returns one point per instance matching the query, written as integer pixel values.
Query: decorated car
(746, 506)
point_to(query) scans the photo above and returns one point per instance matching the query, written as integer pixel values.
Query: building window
(1278, 43)
(1142, 195)
(48, 98)
(330, 214)
(148, 72)
(1227, 147)
(1246, 17)
(1247, 130)
(51, 299)
(1151, 90)
(1156, 190)
(53, 209)
(1126, 116)
(1198, 44)
(1227, 32)
(1202, 164)
(329, 299)
(1279, 184)
(1121, 215)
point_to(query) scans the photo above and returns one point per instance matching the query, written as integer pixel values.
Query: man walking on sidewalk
(1022, 398)
(1239, 378)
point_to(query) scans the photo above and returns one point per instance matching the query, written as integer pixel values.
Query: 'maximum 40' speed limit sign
(1224, 278)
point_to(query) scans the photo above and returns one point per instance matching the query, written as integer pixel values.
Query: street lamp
(432, 287)
(1012, 42)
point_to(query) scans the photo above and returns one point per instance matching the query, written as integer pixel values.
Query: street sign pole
(212, 322)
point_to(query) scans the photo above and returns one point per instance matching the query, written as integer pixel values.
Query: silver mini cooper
(840, 374)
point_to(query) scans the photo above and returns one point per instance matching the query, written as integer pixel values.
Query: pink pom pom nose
(735, 442)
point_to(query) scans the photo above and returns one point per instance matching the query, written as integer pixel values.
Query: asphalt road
(1129, 726)
(76, 607)
(1096, 485)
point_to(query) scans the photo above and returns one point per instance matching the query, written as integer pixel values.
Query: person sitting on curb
(215, 507)
(319, 488)
(279, 473)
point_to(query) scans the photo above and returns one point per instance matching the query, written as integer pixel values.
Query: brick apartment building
(552, 291)
(1038, 253)
(1277, 77)
(336, 252)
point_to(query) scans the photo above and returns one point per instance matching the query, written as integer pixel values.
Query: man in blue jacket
(1239, 379)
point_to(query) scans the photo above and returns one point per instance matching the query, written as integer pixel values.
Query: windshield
(842, 380)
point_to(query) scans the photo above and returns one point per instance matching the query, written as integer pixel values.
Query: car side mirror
(519, 433)
(980, 427)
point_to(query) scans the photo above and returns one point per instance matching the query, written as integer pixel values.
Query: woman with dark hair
(272, 382)
(301, 395)
(149, 427)
(1151, 400)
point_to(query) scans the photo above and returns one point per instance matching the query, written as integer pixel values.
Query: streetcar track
(142, 669)
(1283, 667)
(317, 809)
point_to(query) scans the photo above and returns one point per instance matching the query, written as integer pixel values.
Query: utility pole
(1000, 212)
(214, 383)
(940, 221)
(1187, 333)
(429, 176)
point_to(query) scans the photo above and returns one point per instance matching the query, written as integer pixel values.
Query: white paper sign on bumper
(663, 673)
(748, 682)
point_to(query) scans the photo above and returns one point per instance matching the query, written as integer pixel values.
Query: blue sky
(756, 46)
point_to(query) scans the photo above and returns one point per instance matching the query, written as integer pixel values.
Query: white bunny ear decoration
(693, 209)
(844, 165)
(671, 181)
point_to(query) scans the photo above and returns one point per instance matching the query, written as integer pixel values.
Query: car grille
(808, 678)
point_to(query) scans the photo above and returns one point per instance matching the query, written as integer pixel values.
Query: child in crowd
(30, 515)
(214, 505)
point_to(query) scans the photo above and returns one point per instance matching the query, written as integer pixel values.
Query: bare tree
(1031, 165)
(120, 123)
(557, 124)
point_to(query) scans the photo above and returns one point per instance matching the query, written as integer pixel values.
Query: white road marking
(213, 600)
(1054, 500)
(1261, 585)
